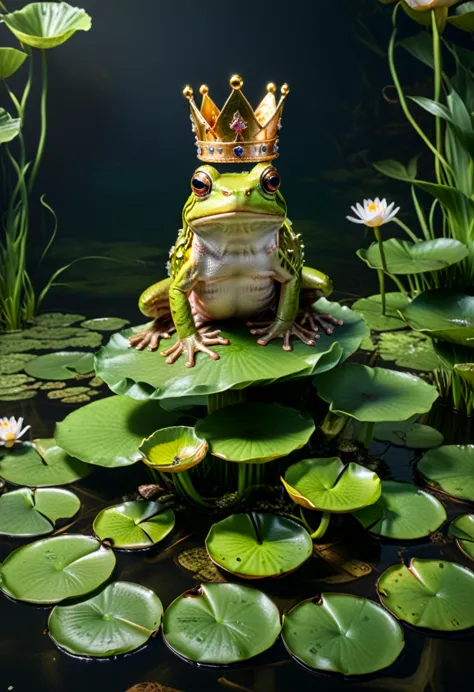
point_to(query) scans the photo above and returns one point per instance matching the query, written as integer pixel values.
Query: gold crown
(236, 133)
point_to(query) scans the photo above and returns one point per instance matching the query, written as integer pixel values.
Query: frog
(236, 257)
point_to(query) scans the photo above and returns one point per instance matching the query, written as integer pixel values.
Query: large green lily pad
(109, 432)
(174, 449)
(133, 525)
(408, 434)
(403, 512)
(221, 624)
(41, 464)
(120, 618)
(11, 60)
(462, 529)
(404, 257)
(52, 569)
(443, 314)
(255, 546)
(254, 432)
(63, 365)
(328, 485)
(450, 468)
(434, 594)
(342, 634)
(9, 127)
(409, 350)
(25, 513)
(142, 374)
(46, 24)
(371, 310)
(375, 395)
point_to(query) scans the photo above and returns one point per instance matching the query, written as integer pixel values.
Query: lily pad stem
(437, 89)
(44, 125)
(223, 399)
(366, 434)
(323, 526)
(384, 270)
(241, 479)
(190, 490)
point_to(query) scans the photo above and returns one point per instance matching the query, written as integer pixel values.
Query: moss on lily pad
(409, 350)
(58, 319)
(19, 396)
(14, 362)
(105, 324)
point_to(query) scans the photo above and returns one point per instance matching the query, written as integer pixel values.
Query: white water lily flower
(11, 430)
(374, 213)
(421, 5)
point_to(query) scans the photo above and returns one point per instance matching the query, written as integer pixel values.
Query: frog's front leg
(154, 302)
(190, 339)
(315, 285)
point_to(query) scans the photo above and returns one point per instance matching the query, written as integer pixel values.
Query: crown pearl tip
(236, 82)
(271, 87)
(285, 89)
(188, 92)
(203, 89)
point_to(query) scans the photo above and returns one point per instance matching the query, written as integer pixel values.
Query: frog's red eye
(271, 180)
(201, 184)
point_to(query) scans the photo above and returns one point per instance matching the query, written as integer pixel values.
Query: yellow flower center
(373, 207)
(10, 436)
(5, 424)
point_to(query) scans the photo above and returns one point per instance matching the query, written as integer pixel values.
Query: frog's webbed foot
(191, 345)
(282, 330)
(314, 321)
(151, 336)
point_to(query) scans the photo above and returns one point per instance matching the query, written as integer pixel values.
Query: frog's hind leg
(154, 302)
(315, 285)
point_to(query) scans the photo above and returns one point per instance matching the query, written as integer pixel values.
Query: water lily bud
(423, 5)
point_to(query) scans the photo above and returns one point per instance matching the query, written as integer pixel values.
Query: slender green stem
(384, 270)
(190, 490)
(323, 526)
(407, 230)
(223, 399)
(366, 434)
(303, 519)
(437, 91)
(44, 123)
(242, 479)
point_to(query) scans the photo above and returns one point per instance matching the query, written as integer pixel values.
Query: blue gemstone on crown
(220, 150)
(264, 149)
(239, 151)
(211, 150)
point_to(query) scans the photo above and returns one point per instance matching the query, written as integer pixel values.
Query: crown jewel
(237, 133)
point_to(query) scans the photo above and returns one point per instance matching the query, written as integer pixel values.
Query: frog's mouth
(238, 217)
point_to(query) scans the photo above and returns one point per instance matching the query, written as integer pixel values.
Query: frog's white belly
(237, 296)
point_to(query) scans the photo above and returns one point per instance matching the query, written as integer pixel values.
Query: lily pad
(58, 319)
(370, 309)
(462, 529)
(449, 468)
(105, 324)
(109, 432)
(18, 396)
(52, 569)
(9, 127)
(120, 618)
(173, 449)
(443, 314)
(375, 395)
(25, 513)
(14, 362)
(434, 594)
(408, 434)
(221, 624)
(11, 60)
(330, 486)
(402, 512)
(409, 350)
(256, 546)
(243, 363)
(134, 525)
(46, 24)
(10, 384)
(404, 257)
(41, 464)
(60, 366)
(342, 634)
(255, 433)
(197, 561)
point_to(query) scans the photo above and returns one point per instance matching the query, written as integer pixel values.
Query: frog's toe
(317, 320)
(150, 337)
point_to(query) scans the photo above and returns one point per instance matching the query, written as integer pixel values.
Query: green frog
(236, 256)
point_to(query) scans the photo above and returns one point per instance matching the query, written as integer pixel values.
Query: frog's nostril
(248, 192)
(226, 192)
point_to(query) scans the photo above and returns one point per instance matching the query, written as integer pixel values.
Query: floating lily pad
(367, 344)
(403, 512)
(197, 561)
(134, 525)
(408, 434)
(9, 127)
(174, 449)
(11, 60)
(58, 319)
(60, 366)
(25, 344)
(12, 384)
(105, 324)
(18, 396)
(375, 395)
(255, 433)
(243, 363)
(14, 362)
(443, 314)
(41, 464)
(70, 394)
(221, 624)
(24, 513)
(45, 333)
(409, 350)
(342, 634)
(109, 432)
(404, 257)
(462, 529)
(450, 468)
(120, 618)
(52, 569)
(255, 546)
(328, 485)
(434, 594)
(371, 310)
(46, 24)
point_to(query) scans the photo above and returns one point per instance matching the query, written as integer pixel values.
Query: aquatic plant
(11, 431)
(39, 26)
